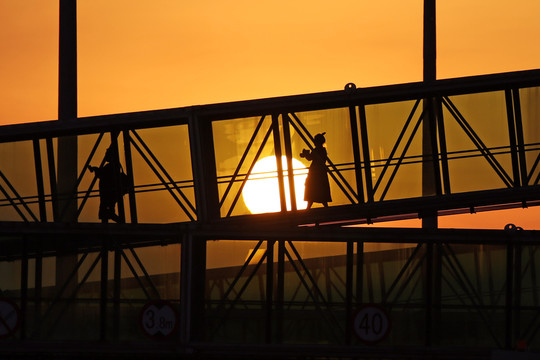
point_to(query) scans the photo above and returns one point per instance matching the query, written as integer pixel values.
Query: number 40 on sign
(371, 323)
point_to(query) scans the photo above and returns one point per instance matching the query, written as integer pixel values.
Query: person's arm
(308, 155)
(95, 169)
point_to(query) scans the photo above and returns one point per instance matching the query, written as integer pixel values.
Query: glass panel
(169, 196)
(473, 290)
(485, 116)
(530, 276)
(162, 265)
(235, 299)
(152, 272)
(401, 178)
(393, 276)
(530, 112)
(243, 139)
(314, 308)
(18, 190)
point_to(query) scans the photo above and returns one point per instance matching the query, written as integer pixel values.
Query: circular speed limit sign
(371, 323)
(158, 319)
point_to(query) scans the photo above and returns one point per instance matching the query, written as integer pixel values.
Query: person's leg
(112, 213)
(103, 216)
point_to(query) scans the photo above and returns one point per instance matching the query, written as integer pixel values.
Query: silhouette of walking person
(112, 186)
(317, 185)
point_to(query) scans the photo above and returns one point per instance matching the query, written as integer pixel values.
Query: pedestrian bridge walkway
(212, 219)
(464, 144)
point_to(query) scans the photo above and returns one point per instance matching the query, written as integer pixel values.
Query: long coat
(317, 185)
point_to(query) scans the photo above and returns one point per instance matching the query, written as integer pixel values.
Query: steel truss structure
(403, 151)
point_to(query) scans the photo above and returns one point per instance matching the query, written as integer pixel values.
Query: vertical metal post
(203, 160)
(42, 218)
(38, 269)
(24, 287)
(67, 61)
(66, 258)
(114, 146)
(365, 155)
(431, 175)
(430, 75)
(38, 284)
(430, 41)
(533, 273)
(185, 288)
(279, 164)
(356, 154)
(509, 295)
(437, 293)
(288, 154)
(192, 288)
(430, 186)
(116, 291)
(359, 272)
(67, 178)
(269, 290)
(193, 280)
(512, 136)
(67, 107)
(519, 138)
(442, 143)
(349, 291)
(52, 177)
(39, 181)
(129, 173)
(429, 294)
(104, 288)
(517, 291)
(280, 291)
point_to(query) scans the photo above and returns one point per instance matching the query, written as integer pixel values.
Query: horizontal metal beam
(399, 209)
(46, 238)
(174, 350)
(315, 101)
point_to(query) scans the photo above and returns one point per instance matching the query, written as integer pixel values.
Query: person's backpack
(124, 183)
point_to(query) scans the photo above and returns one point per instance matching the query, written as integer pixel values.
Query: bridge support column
(66, 259)
(193, 271)
(192, 289)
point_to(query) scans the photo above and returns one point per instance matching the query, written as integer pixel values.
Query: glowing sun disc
(261, 192)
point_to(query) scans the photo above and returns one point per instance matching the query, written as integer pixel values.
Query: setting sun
(261, 193)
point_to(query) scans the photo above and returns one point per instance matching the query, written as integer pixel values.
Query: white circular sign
(371, 323)
(158, 319)
(10, 318)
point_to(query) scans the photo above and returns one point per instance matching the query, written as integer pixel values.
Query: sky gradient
(142, 54)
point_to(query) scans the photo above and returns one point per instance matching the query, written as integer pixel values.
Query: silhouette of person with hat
(112, 186)
(317, 184)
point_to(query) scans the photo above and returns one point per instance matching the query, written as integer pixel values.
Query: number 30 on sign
(371, 323)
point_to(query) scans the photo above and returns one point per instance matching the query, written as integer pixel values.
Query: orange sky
(151, 54)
